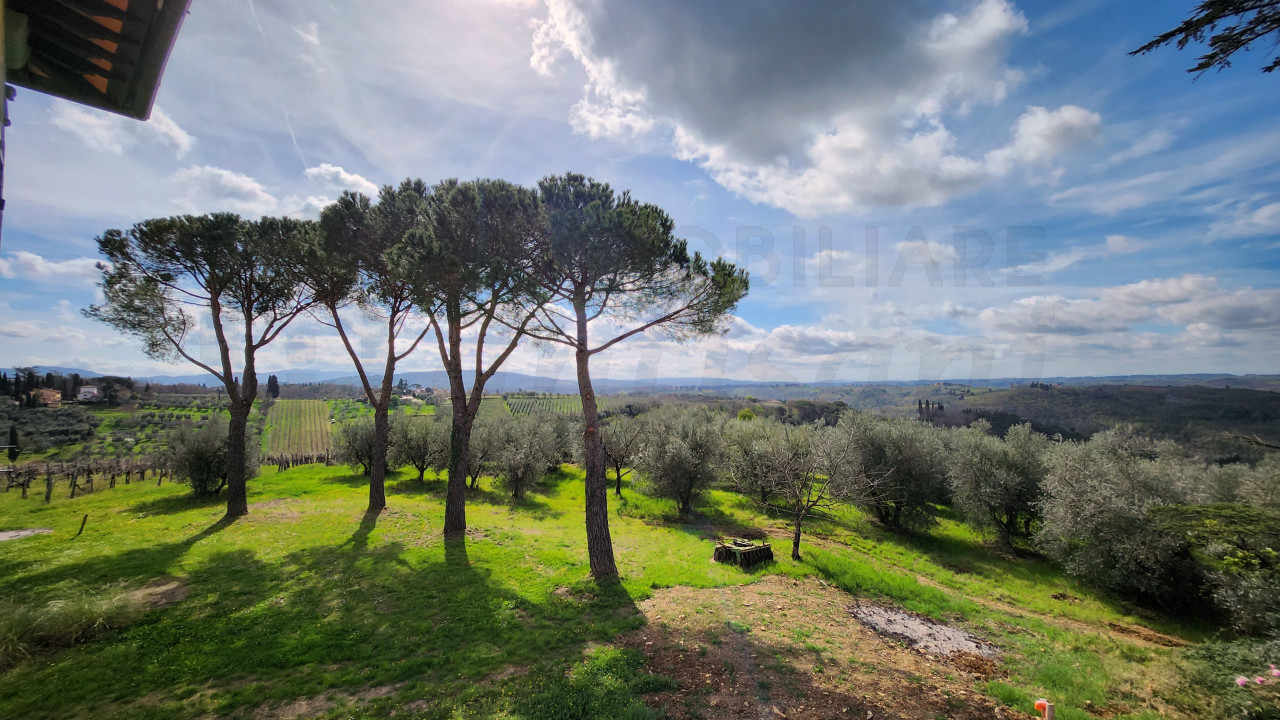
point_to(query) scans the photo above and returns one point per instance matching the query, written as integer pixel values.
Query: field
(298, 426)
(491, 406)
(563, 405)
(308, 608)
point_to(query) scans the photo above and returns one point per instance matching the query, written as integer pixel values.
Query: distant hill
(59, 370)
(1196, 416)
(860, 394)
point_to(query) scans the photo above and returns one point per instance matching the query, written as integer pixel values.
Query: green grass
(308, 597)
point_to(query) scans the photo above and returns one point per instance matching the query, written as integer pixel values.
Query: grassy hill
(310, 608)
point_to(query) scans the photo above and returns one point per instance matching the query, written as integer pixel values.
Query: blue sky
(968, 189)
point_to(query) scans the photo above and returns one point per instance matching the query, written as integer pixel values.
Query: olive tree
(796, 470)
(484, 448)
(622, 436)
(199, 457)
(907, 459)
(1097, 512)
(606, 262)
(527, 448)
(996, 483)
(682, 453)
(353, 444)
(348, 264)
(165, 277)
(422, 443)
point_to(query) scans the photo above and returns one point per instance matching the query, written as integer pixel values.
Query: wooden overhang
(107, 54)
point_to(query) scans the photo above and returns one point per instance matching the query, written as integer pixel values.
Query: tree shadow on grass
(532, 504)
(137, 564)
(172, 504)
(438, 625)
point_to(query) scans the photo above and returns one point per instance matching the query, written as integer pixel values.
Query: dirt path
(783, 648)
(25, 532)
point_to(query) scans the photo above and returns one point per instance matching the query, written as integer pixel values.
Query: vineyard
(491, 406)
(298, 426)
(565, 405)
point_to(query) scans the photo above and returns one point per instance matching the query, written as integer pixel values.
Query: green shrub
(199, 457)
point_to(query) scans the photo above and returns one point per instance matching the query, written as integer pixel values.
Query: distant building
(88, 393)
(49, 398)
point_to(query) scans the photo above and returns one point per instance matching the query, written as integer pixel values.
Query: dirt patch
(274, 510)
(1147, 635)
(920, 632)
(1065, 597)
(783, 648)
(300, 708)
(161, 592)
(25, 532)
(316, 705)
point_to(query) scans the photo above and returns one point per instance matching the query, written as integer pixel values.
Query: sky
(921, 191)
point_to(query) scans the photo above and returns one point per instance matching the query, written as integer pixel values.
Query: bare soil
(25, 532)
(920, 632)
(783, 648)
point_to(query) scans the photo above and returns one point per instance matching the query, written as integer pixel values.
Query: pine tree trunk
(455, 503)
(378, 464)
(599, 542)
(237, 483)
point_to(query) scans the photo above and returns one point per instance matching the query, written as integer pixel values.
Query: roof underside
(107, 54)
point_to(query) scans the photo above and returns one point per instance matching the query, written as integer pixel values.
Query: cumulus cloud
(811, 108)
(1195, 302)
(338, 179)
(213, 189)
(25, 265)
(105, 132)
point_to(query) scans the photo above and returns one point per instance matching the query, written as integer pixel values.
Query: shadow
(360, 538)
(455, 553)
(138, 564)
(532, 504)
(807, 664)
(437, 624)
(177, 503)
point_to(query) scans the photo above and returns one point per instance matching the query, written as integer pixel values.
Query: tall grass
(70, 613)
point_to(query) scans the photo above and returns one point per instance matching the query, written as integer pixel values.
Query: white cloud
(831, 114)
(1040, 135)
(26, 265)
(1113, 246)
(1195, 302)
(336, 178)
(211, 189)
(1248, 221)
(105, 132)
(311, 34)
(1152, 142)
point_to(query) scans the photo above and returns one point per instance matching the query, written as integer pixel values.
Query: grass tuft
(71, 613)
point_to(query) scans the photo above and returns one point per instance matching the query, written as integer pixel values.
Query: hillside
(1195, 416)
(309, 608)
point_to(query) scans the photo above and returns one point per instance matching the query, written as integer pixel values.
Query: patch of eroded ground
(784, 648)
